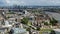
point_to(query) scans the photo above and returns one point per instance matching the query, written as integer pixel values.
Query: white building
(19, 31)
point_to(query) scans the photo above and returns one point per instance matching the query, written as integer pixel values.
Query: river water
(54, 14)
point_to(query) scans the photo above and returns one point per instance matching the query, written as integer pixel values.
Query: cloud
(8, 1)
(15, 2)
(31, 2)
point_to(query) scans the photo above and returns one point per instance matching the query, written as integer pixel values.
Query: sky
(30, 2)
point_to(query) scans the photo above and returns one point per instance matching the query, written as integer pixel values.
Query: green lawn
(45, 30)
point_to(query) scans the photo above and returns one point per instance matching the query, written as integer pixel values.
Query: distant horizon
(31, 5)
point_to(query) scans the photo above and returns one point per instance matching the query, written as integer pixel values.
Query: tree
(3, 23)
(24, 20)
(11, 31)
(53, 21)
(45, 23)
(52, 32)
(29, 30)
(16, 20)
(38, 28)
